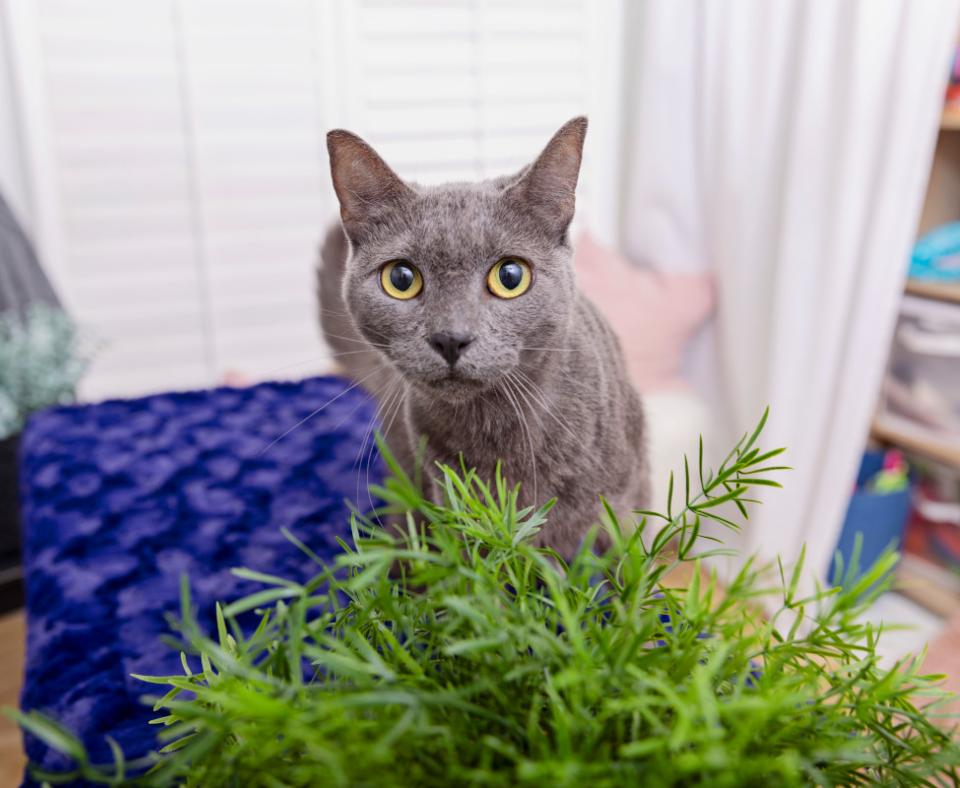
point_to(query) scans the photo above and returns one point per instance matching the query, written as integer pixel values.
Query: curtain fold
(787, 147)
(22, 280)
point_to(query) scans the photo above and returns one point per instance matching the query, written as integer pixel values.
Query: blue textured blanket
(121, 498)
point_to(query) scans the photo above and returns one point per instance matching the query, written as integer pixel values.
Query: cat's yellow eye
(401, 279)
(509, 278)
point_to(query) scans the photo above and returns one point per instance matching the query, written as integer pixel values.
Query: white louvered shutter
(254, 91)
(475, 88)
(177, 159)
(112, 160)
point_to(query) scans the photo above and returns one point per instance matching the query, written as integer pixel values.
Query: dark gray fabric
(22, 280)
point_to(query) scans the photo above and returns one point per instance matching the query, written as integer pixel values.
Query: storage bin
(933, 531)
(880, 517)
(923, 382)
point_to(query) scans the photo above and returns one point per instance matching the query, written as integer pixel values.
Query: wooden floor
(12, 640)
(943, 657)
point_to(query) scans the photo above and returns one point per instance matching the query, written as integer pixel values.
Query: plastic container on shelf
(923, 380)
(880, 517)
(933, 532)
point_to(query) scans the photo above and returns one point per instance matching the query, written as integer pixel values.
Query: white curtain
(13, 184)
(786, 146)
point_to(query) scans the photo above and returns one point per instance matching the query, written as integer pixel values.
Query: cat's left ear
(548, 187)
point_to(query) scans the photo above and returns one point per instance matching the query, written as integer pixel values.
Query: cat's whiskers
(400, 401)
(397, 400)
(533, 451)
(365, 342)
(353, 410)
(329, 310)
(537, 394)
(326, 404)
(524, 393)
(325, 357)
(380, 408)
(509, 390)
(387, 426)
(358, 458)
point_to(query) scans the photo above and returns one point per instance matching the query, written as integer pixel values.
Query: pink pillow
(654, 314)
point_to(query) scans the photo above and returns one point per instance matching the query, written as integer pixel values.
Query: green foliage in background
(456, 653)
(41, 361)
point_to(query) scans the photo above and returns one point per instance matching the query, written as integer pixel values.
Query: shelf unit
(929, 584)
(899, 432)
(950, 119)
(938, 291)
(935, 588)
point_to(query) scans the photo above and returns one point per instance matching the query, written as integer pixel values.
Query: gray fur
(542, 386)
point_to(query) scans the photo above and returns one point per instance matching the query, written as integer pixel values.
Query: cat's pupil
(511, 274)
(401, 277)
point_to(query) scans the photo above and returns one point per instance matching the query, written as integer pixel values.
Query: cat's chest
(483, 433)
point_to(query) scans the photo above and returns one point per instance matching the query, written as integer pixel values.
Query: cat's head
(459, 285)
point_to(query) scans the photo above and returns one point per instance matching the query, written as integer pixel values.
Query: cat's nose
(450, 344)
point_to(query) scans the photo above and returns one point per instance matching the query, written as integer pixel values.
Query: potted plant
(455, 652)
(41, 361)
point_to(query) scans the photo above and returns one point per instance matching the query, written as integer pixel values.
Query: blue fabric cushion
(122, 498)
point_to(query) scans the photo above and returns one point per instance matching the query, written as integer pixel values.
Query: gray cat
(456, 306)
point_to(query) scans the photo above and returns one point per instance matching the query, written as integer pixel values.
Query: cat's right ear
(364, 183)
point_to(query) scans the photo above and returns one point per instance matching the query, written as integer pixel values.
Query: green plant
(453, 652)
(41, 361)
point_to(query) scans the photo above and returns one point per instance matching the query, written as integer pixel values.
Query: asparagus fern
(454, 652)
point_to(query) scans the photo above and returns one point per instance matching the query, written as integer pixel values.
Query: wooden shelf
(930, 585)
(950, 119)
(940, 291)
(889, 429)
